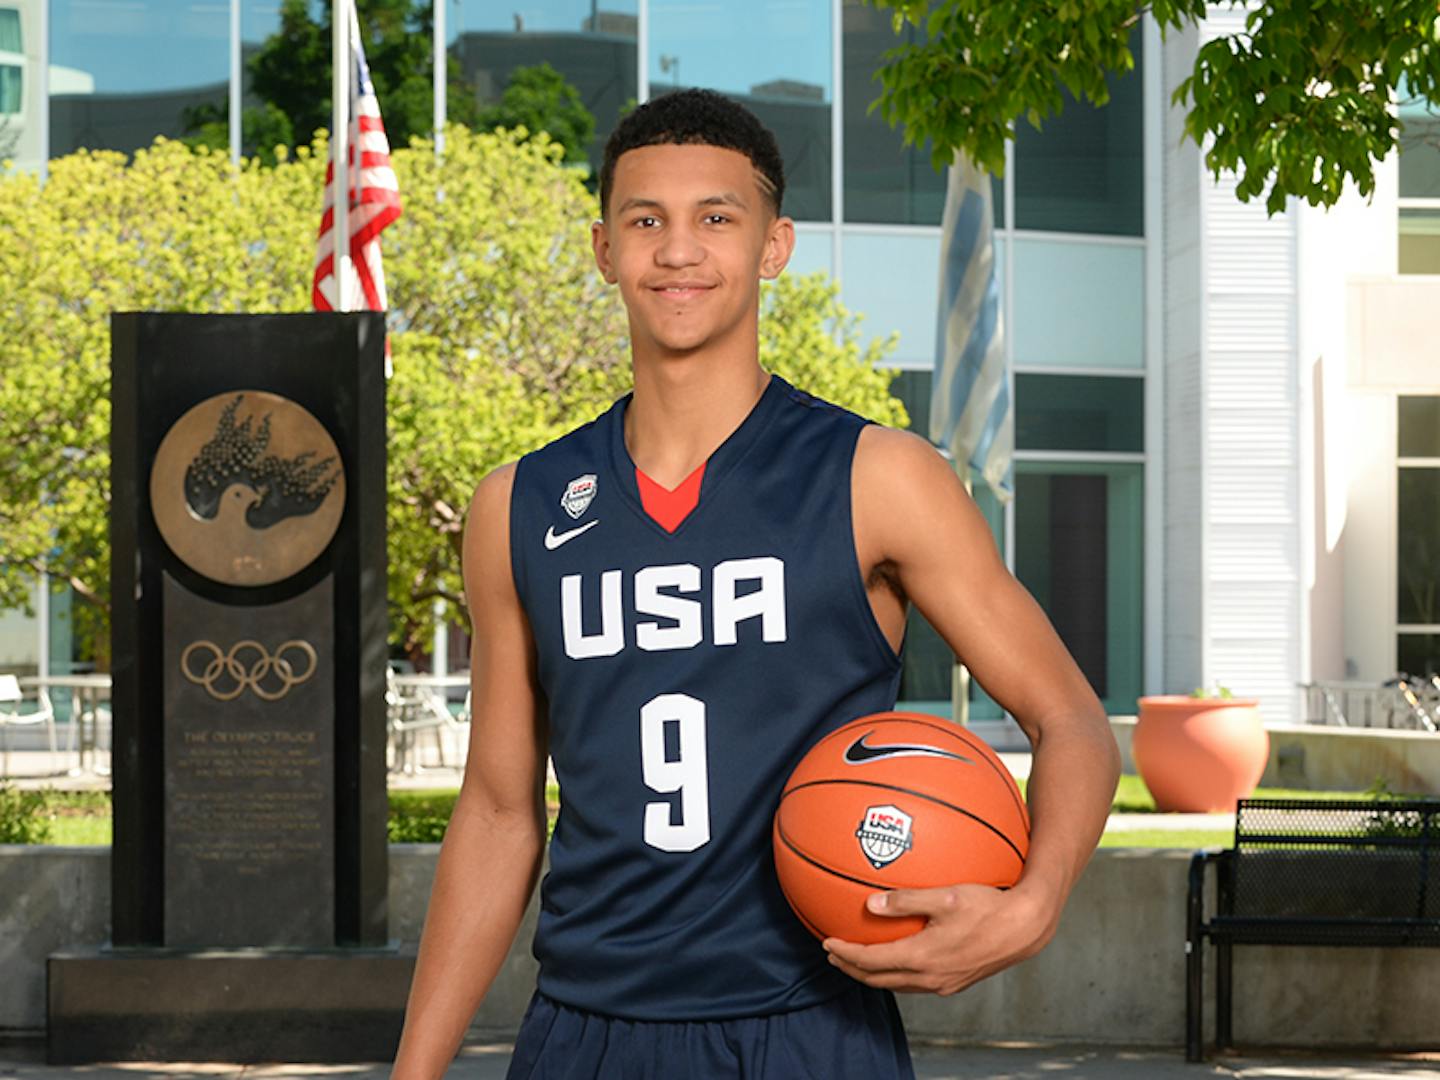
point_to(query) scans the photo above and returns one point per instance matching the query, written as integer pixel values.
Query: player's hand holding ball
(902, 828)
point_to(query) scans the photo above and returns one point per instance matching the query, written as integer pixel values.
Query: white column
(1007, 323)
(642, 53)
(1153, 622)
(42, 614)
(441, 662)
(837, 138)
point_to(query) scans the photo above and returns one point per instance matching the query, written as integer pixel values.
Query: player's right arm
(496, 837)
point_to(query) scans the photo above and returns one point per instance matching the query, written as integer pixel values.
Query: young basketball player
(675, 601)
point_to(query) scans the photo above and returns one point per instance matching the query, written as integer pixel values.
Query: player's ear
(600, 244)
(779, 246)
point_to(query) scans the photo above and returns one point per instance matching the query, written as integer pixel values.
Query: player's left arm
(915, 522)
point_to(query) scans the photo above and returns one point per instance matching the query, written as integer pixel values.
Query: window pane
(593, 48)
(1079, 550)
(121, 74)
(1419, 148)
(928, 663)
(1418, 547)
(1418, 654)
(814, 250)
(1419, 241)
(771, 55)
(885, 181)
(10, 37)
(1079, 412)
(1419, 427)
(1085, 171)
(913, 386)
(1079, 304)
(870, 285)
(11, 98)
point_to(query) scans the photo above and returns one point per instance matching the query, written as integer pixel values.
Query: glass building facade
(1070, 215)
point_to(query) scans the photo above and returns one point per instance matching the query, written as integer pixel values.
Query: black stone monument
(249, 867)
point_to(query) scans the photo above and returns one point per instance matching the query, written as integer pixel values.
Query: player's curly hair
(700, 117)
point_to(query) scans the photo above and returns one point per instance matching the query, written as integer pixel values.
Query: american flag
(374, 197)
(970, 410)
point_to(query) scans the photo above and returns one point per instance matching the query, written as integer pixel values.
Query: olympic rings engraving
(226, 675)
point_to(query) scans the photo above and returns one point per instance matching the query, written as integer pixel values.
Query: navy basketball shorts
(856, 1036)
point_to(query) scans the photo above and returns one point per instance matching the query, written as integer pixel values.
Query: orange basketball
(894, 801)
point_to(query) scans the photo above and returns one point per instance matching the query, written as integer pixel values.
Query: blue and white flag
(970, 412)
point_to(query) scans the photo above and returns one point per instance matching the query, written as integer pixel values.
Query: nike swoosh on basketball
(860, 751)
(553, 539)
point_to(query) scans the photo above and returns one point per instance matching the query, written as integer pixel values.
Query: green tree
(291, 70)
(263, 128)
(503, 333)
(171, 231)
(1295, 102)
(539, 99)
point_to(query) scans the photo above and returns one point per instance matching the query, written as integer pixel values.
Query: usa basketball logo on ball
(885, 834)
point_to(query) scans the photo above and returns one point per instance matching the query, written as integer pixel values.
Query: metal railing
(1405, 702)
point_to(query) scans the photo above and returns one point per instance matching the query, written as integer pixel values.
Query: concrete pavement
(39, 769)
(488, 1061)
(993, 1061)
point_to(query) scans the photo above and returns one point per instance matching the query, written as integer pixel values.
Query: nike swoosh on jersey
(860, 751)
(553, 539)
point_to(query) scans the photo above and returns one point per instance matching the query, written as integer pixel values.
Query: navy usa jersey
(686, 673)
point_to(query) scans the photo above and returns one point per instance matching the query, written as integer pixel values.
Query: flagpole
(236, 103)
(340, 146)
(441, 61)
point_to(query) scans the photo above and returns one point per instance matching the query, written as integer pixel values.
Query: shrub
(24, 816)
(419, 817)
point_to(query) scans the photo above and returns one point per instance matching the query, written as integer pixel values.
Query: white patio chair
(409, 716)
(11, 716)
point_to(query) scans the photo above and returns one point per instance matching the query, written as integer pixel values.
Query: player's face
(688, 236)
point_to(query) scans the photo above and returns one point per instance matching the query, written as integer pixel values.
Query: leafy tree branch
(1296, 103)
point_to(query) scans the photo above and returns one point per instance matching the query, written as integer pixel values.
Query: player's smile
(682, 290)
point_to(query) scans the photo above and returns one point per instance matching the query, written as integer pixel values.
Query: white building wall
(1348, 435)
(1368, 546)
(22, 135)
(1286, 342)
(1232, 499)
(1251, 435)
(1182, 307)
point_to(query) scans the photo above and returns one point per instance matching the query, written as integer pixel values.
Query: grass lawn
(1133, 797)
(1189, 839)
(82, 818)
(80, 831)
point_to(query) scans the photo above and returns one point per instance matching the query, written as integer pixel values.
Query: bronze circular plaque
(247, 488)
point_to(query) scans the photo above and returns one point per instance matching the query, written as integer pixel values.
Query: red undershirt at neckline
(669, 508)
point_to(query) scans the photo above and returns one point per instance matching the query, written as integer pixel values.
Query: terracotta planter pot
(1199, 755)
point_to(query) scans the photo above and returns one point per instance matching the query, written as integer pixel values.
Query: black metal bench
(1311, 872)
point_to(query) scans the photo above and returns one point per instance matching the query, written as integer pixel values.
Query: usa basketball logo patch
(884, 834)
(579, 494)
